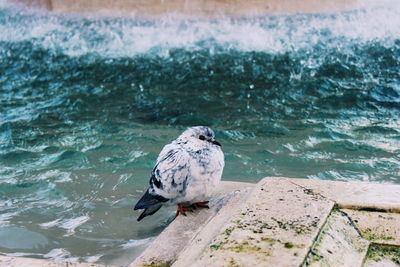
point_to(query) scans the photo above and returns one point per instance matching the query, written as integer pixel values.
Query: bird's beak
(215, 142)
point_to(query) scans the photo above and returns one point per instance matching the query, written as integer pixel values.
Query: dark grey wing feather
(149, 211)
(148, 200)
(150, 203)
(167, 181)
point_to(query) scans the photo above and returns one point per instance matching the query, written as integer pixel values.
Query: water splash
(87, 102)
(126, 37)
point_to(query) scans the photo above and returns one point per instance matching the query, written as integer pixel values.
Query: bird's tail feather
(148, 200)
(149, 211)
(150, 203)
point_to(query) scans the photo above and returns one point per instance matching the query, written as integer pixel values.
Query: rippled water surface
(87, 102)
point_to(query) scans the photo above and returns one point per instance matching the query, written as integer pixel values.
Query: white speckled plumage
(188, 170)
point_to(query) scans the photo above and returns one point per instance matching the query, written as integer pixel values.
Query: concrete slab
(377, 227)
(276, 226)
(338, 244)
(183, 230)
(29, 262)
(356, 195)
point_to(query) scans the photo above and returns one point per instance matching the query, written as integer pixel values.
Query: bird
(186, 173)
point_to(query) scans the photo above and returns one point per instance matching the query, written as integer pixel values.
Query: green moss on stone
(232, 263)
(217, 246)
(159, 264)
(266, 239)
(228, 231)
(371, 236)
(288, 245)
(378, 253)
(243, 248)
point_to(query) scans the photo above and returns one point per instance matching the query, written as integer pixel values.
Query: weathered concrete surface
(338, 244)
(29, 262)
(277, 225)
(194, 7)
(377, 227)
(278, 222)
(356, 195)
(183, 230)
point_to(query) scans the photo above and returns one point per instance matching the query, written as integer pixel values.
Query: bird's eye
(202, 137)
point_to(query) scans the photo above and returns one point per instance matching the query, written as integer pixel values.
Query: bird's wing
(169, 176)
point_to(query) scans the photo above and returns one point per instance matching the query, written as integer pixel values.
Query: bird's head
(199, 134)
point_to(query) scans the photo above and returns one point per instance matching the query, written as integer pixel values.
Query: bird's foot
(203, 204)
(183, 209)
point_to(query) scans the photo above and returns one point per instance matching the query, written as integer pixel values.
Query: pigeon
(187, 172)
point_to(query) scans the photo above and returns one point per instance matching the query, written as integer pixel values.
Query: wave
(87, 101)
(115, 37)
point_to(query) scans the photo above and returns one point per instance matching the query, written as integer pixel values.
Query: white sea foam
(55, 175)
(127, 37)
(61, 254)
(21, 254)
(136, 242)
(50, 224)
(58, 253)
(71, 224)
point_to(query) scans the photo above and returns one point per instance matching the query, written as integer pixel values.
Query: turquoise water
(87, 103)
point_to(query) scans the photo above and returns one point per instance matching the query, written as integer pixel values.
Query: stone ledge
(280, 221)
(288, 222)
(339, 243)
(377, 227)
(276, 225)
(184, 230)
(356, 195)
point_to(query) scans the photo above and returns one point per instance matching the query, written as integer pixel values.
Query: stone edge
(372, 197)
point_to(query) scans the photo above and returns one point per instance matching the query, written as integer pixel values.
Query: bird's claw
(183, 209)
